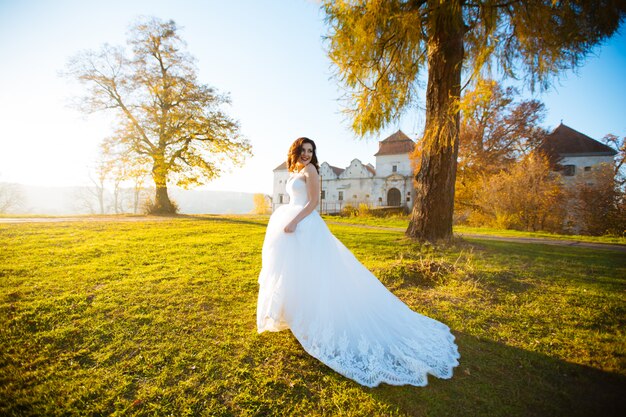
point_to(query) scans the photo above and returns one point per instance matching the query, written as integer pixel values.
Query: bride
(337, 309)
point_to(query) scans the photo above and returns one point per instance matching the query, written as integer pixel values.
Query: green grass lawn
(158, 318)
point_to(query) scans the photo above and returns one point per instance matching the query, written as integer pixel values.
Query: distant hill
(78, 200)
(216, 202)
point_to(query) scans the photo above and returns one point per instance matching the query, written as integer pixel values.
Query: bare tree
(619, 144)
(496, 129)
(98, 177)
(596, 203)
(11, 197)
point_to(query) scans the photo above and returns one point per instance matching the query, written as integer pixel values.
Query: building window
(408, 199)
(354, 196)
(587, 169)
(409, 193)
(394, 168)
(569, 170)
(367, 196)
(340, 196)
(280, 199)
(323, 194)
(380, 199)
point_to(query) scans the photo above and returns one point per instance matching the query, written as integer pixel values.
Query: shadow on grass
(494, 379)
(591, 256)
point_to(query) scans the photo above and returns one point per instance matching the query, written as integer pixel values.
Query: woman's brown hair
(294, 154)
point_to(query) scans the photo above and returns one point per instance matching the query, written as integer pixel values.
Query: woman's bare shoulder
(310, 170)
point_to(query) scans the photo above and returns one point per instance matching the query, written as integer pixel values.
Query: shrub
(527, 197)
(389, 212)
(364, 210)
(151, 207)
(349, 211)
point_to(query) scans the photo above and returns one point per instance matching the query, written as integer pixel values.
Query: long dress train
(338, 310)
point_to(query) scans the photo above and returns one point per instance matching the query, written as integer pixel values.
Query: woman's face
(306, 153)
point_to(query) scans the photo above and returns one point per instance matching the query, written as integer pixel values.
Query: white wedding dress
(338, 310)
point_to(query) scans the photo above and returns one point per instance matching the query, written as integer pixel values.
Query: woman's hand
(291, 227)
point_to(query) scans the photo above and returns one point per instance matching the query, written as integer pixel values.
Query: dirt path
(543, 241)
(536, 240)
(84, 219)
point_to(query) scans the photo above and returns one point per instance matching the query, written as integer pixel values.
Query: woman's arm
(313, 190)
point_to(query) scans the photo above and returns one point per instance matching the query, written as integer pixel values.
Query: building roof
(565, 141)
(396, 144)
(371, 169)
(336, 170)
(281, 167)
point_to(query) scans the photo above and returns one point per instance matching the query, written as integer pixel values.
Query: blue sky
(268, 55)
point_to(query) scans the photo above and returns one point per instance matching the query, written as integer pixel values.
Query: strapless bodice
(296, 188)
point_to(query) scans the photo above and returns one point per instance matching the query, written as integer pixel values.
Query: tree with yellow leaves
(381, 49)
(528, 196)
(497, 130)
(165, 115)
(261, 204)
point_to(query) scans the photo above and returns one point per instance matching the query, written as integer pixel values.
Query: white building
(389, 183)
(575, 155)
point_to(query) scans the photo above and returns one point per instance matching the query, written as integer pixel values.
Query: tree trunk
(431, 218)
(116, 197)
(100, 194)
(162, 203)
(136, 191)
